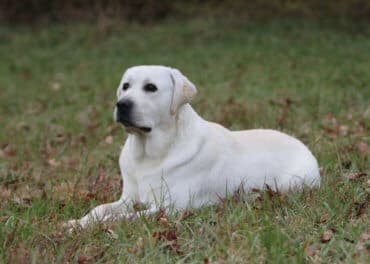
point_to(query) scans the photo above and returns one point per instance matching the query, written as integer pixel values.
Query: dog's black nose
(124, 109)
(124, 105)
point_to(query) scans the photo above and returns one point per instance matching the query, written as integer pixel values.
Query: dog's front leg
(102, 213)
(151, 210)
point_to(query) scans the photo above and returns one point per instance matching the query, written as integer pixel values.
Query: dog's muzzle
(124, 116)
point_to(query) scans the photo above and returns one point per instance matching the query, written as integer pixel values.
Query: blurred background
(28, 11)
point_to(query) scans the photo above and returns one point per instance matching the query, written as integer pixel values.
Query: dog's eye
(150, 87)
(125, 86)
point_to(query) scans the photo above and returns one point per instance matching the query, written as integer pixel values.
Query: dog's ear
(183, 90)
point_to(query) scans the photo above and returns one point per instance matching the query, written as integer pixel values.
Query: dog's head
(149, 96)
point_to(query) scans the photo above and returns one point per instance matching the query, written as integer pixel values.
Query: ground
(59, 145)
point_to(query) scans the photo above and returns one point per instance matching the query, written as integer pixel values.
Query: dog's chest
(148, 175)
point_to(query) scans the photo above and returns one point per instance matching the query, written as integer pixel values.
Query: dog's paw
(72, 225)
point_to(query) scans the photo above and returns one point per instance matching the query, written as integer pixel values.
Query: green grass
(57, 92)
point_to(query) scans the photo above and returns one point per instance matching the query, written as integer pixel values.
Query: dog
(173, 158)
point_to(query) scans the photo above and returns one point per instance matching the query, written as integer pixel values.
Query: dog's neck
(156, 144)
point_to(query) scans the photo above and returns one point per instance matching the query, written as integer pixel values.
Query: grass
(59, 144)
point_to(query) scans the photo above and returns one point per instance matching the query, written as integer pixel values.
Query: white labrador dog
(173, 157)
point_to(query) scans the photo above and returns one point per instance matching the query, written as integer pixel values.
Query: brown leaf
(82, 259)
(60, 138)
(330, 125)
(324, 218)
(170, 237)
(23, 201)
(271, 193)
(363, 148)
(108, 140)
(352, 176)
(4, 218)
(47, 150)
(73, 162)
(36, 107)
(343, 130)
(111, 234)
(55, 85)
(139, 245)
(9, 150)
(19, 254)
(364, 237)
(53, 163)
(113, 128)
(163, 221)
(185, 214)
(312, 250)
(22, 126)
(5, 193)
(326, 236)
(361, 246)
(82, 138)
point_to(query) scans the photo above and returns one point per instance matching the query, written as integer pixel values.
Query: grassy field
(59, 145)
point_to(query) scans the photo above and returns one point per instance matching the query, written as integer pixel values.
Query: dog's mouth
(130, 127)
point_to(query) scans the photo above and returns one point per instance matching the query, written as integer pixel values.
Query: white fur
(187, 161)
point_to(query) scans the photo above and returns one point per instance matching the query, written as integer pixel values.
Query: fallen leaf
(82, 259)
(63, 189)
(18, 254)
(5, 193)
(60, 138)
(22, 126)
(324, 218)
(271, 192)
(326, 236)
(363, 148)
(139, 245)
(163, 221)
(330, 125)
(108, 140)
(362, 244)
(112, 128)
(169, 235)
(47, 150)
(352, 176)
(364, 237)
(53, 163)
(73, 162)
(170, 238)
(312, 250)
(22, 201)
(343, 130)
(4, 218)
(111, 233)
(185, 214)
(55, 86)
(9, 150)
(36, 107)
(366, 114)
